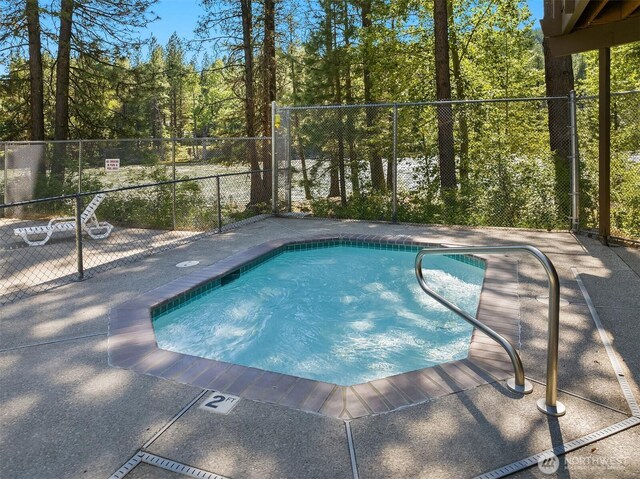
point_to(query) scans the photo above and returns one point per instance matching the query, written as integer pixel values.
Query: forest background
(82, 70)
(320, 52)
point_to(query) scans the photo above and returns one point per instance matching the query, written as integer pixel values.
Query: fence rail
(521, 163)
(142, 219)
(476, 163)
(48, 169)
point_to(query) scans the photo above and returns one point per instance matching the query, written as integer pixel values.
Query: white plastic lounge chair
(90, 225)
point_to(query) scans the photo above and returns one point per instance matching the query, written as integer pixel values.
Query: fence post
(575, 171)
(219, 210)
(6, 185)
(274, 161)
(173, 185)
(80, 166)
(79, 237)
(288, 162)
(394, 200)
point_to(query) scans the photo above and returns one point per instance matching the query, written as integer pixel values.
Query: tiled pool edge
(132, 345)
(296, 245)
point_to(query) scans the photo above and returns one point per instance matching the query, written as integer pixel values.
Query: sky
(537, 10)
(181, 16)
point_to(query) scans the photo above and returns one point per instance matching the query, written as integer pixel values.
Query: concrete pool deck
(67, 413)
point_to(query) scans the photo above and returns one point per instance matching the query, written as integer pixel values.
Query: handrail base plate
(526, 388)
(556, 411)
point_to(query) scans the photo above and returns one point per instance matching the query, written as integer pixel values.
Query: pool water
(341, 314)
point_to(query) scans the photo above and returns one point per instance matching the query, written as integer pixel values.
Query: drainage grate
(127, 467)
(622, 380)
(178, 467)
(562, 449)
(163, 463)
(503, 471)
(594, 436)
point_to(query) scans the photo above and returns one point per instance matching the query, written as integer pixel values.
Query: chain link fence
(625, 164)
(34, 170)
(131, 222)
(476, 163)
(506, 163)
(160, 193)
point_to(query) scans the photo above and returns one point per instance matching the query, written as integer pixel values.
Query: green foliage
(147, 207)
(512, 181)
(374, 206)
(625, 74)
(507, 175)
(152, 207)
(625, 164)
(232, 212)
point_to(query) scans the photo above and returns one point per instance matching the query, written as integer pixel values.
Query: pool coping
(132, 344)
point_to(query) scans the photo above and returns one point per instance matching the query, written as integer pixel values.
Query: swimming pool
(132, 342)
(340, 312)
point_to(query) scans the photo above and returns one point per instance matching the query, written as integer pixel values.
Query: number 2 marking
(215, 400)
(220, 403)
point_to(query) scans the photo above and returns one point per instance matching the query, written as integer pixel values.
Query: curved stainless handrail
(549, 405)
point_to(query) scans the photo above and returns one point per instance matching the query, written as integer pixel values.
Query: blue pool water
(341, 314)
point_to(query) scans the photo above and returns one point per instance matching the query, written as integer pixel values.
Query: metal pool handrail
(548, 405)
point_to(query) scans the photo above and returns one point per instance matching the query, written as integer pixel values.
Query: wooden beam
(604, 150)
(569, 21)
(568, 6)
(551, 23)
(596, 37)
(629, 7)
(616, 11)
(595, 7)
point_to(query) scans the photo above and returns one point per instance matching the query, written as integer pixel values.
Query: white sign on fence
(112, 164)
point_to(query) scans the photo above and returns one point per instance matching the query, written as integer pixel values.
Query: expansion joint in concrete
(352, 450)
(55, 341)
(622, 380)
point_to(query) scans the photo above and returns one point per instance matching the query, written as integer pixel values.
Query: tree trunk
(334, 178)
(375, 160)
(350, 127)
(558, 74)
(348, 93)
(156, 121)
(63, 70)
(36, 93)
(354, 167)
(329, 38)
(296, 123)
(269, 85)
(180, 108)
(341, 171)
(256, 195)
(443, 92)
(32, 13)
(174, 112)
(303, 162)
(390, 161)
(339, 121)
(460, 95)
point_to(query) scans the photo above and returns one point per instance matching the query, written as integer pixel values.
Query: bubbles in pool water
(342, 314)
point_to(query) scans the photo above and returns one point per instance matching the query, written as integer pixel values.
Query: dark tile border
(132, 344)
(254, 261)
